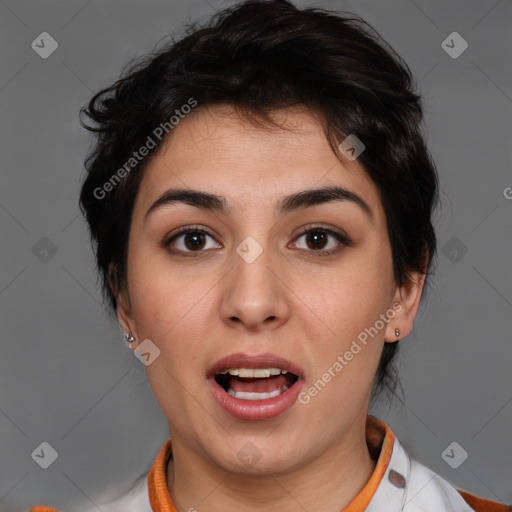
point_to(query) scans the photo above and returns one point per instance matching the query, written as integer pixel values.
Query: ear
(406, 302)
(124, 316)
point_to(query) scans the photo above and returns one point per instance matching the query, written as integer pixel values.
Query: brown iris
(194, 240)
(316, 237)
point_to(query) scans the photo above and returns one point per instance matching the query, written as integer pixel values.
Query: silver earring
(129, 337)
(397, 332)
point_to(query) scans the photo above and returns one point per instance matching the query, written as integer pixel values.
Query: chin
(251, 455)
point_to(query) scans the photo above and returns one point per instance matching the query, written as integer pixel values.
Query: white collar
(408, 486)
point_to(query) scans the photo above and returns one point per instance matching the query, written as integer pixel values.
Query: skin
(290, 301)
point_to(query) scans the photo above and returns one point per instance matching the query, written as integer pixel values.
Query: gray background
(66, 376)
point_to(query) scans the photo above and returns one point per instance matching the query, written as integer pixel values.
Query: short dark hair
(260, 56)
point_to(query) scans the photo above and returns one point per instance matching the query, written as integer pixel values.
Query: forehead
(220, 151)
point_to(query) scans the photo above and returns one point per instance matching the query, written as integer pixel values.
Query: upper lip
(243, 360)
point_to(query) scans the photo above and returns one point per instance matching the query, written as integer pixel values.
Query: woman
(260, 200)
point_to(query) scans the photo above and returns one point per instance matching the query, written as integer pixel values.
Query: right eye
(190, 240)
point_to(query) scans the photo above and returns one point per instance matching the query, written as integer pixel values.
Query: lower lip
(255, 410)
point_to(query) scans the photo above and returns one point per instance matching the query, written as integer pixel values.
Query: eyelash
(341, 237)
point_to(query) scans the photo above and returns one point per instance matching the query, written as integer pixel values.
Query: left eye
(317, 239)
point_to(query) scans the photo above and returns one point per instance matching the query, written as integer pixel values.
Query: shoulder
(430, 489)
(426, 490)
(136, 500)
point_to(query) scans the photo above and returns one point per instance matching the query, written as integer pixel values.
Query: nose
(255, 295)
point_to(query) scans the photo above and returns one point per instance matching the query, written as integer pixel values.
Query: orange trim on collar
(481, 505)
(378, 437)
(159, 496)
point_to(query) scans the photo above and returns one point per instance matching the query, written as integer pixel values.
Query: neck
(326, 483)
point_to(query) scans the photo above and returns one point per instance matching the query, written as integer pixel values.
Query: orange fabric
(481, 505)
(159, 496)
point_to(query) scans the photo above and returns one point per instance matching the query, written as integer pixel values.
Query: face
(255, 274)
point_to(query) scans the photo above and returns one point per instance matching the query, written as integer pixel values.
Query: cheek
(356, 292)
(345, 306)
(161, 296)
(170, 310)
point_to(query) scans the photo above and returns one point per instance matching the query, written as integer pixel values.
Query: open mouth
(255, 387)
(255, 384)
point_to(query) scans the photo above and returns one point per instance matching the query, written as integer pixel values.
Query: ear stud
(397, 332)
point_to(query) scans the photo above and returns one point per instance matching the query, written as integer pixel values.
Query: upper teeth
(254, 372)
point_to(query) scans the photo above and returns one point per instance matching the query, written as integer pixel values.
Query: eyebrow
(297, 201)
